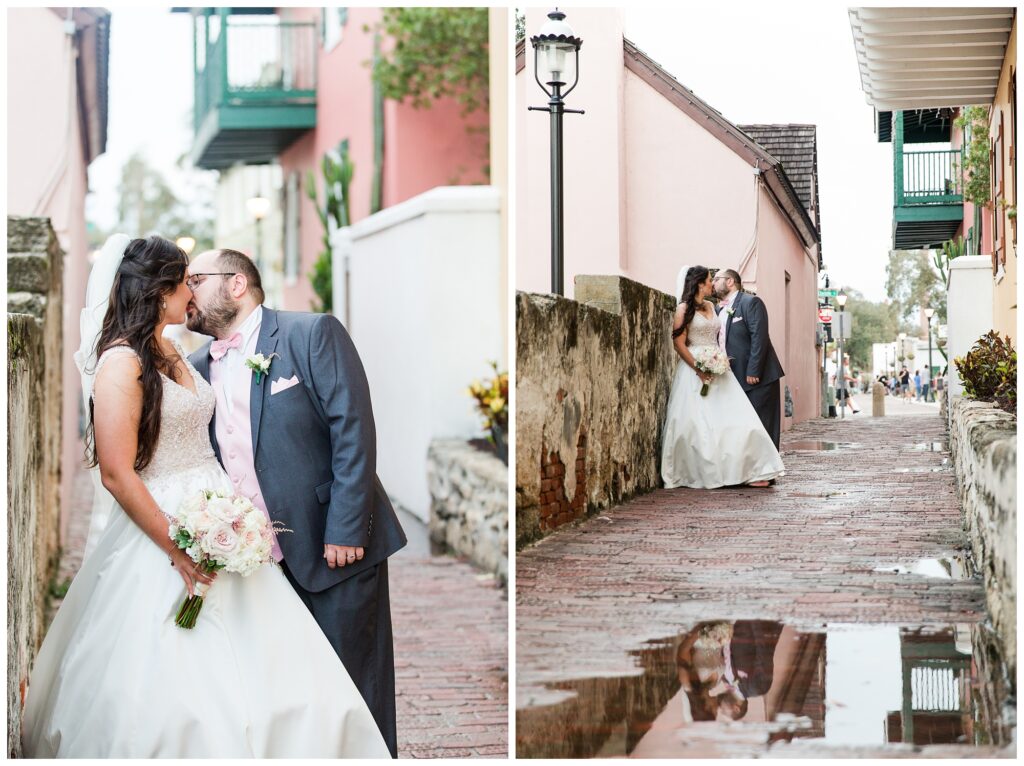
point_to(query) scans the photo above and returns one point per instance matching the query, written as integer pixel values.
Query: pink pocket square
(281, 384)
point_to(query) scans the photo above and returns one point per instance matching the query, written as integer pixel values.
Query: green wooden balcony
(928, 205)
(255, 87)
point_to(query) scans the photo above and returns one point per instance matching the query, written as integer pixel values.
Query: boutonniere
(728, 311)
(259, 365)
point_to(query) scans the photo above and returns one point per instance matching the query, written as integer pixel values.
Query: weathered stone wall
(983, 443)
(469, 503)
(35, 353)
(592, 383)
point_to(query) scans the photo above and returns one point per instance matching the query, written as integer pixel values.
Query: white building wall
(420, 284)
(969, 309)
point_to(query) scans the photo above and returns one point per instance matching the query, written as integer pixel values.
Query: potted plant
(492, 405)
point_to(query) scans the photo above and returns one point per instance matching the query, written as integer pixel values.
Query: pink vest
(234, 431)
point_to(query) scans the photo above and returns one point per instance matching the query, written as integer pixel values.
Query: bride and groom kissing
(294, 660)
(723, 420)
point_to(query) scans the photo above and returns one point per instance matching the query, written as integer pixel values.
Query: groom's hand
(752, 380)
(340, 555)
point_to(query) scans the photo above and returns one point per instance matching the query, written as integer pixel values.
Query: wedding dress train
(715, 440)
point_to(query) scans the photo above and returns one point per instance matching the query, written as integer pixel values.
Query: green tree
(912, 283)
(873, 322)
(148, 205)
(437, 52)
(520, 25)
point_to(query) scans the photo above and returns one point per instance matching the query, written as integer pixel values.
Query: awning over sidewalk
(914, 58)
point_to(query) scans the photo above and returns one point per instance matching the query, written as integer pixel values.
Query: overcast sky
(764, 63)
(780, 63)
(150, 103)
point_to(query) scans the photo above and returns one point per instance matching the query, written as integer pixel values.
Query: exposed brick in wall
(555, 507)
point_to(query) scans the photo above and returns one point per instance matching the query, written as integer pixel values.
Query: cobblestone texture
(804, 552)
(451, 645)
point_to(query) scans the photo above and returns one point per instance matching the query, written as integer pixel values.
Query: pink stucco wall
(46, 176)
(647, 191)
(423, 148)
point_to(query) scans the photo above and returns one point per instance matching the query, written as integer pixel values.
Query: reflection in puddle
(818, 446)
(955, 567)
(725, 685)
(931, 447)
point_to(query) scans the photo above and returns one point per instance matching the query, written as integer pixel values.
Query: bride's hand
(190, 571)
(705, 377)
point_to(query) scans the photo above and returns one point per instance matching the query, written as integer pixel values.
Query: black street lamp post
(928, 312)
(557, 42)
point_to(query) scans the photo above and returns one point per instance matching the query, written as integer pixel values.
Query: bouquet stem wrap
(192, 605)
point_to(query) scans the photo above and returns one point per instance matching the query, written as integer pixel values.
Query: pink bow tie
(220, 347)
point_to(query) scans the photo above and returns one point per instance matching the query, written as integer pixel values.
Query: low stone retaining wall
(34, 357)
(983, 443)
(469, 503)
(592, 383)
(28, 534)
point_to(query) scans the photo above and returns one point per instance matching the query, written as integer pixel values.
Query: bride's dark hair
(151, 269)
(695, 277)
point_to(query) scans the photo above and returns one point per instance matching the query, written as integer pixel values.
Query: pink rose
(221, 541)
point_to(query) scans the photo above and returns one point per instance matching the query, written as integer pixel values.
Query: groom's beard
(216, 317)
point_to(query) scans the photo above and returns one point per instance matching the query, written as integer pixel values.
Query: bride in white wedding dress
(115, 676)
(715, 440)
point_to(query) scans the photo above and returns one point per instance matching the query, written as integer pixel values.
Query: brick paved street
(860, 495)
(451, 644)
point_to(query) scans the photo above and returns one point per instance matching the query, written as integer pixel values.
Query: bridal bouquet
(712, 360)
(219, 531)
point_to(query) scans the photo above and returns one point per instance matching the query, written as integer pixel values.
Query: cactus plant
(334, 214)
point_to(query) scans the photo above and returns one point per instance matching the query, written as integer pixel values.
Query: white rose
(222, 510)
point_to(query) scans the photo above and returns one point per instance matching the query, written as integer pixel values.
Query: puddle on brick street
(818, 446)
(955, 566)
(734, 688)
(931, 447)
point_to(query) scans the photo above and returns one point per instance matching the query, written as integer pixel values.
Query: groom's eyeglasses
(194, 281)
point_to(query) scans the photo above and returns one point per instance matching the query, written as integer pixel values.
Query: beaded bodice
(703, 331)
(184, 440)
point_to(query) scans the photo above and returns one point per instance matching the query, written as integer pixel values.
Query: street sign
(825, 315)
(827, 293)
(842, 324)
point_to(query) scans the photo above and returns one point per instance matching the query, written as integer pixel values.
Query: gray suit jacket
(315, 447)
(747, 343)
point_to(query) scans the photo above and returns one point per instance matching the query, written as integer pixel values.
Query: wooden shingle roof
(796, 147)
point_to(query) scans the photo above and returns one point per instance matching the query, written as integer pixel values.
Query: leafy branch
(437, 53)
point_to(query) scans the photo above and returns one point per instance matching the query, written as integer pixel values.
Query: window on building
(333, 24)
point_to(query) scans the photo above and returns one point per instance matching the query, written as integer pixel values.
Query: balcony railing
(240, 63)
(929, 178)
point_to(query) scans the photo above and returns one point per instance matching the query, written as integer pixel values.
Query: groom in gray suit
(300, 441)
(751, 355)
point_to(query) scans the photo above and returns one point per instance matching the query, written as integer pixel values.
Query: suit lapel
(265, 344)
(202, 365)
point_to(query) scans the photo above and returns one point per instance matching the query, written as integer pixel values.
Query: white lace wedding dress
(256, 677)
(715, 440)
